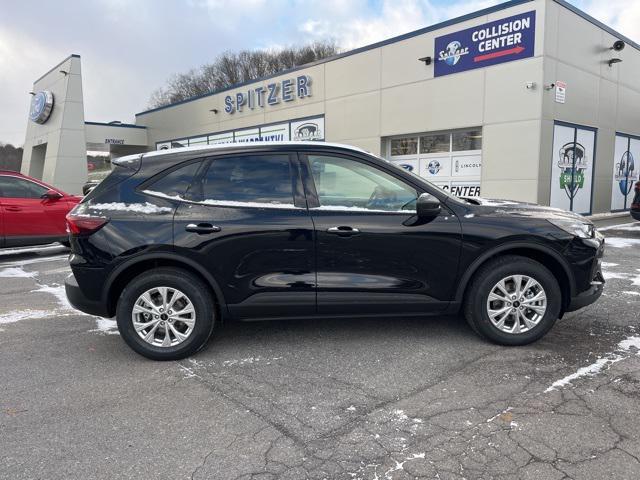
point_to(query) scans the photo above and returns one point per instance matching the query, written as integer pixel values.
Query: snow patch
(163, 195)
(629, 292)
(399, 414)
(621, 353)
(630, 227)
(232, 203)
(344, 208)
(620, 242)
(105, 326)
(16, 272)
(30, 261)
(18, 315)
(609, 264)
(43, 248)
(131, 207)
(351, 408)
(249, 361)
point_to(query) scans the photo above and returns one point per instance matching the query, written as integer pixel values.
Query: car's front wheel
(166, 314)
(513, 300)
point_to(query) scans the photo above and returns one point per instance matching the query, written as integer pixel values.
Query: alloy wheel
(163, 316)
(516, 304)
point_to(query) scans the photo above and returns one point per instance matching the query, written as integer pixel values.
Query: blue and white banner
(505, 40)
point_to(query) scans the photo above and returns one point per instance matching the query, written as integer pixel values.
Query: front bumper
(596, 285)
(588, 296)
(80, 301)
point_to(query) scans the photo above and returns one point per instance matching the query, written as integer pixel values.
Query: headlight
(574, 227)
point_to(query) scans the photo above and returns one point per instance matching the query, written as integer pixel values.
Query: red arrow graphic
(501, 53)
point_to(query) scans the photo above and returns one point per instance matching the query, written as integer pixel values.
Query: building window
(436, 143)
(404, 146)
(464, 140)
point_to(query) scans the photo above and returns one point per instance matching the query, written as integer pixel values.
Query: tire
(195, 292)
(485, 282)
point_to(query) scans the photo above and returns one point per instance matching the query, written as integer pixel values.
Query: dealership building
(530, 100)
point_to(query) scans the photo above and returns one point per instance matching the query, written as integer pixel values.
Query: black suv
(172, 243)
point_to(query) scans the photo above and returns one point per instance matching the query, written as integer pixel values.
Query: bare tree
(231, 68)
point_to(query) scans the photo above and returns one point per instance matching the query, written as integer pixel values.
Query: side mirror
(51, 195)
(427, 206)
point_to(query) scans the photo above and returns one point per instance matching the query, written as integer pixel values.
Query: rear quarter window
(174, 182)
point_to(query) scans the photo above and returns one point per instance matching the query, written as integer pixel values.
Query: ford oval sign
(41, 106)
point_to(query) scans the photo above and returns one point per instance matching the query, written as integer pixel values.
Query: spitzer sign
(505, 40)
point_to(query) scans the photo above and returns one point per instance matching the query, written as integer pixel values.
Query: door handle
(343, 231)
(12, 208)
(202, 228)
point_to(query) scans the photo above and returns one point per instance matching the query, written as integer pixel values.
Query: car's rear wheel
(513, 300)
(166, 314)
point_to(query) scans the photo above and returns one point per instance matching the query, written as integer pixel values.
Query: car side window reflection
(345, 184)
(12, 187)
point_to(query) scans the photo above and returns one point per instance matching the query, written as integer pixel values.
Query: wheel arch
(544, 255)
(125, 272)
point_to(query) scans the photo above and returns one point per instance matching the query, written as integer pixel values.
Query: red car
(32, 212)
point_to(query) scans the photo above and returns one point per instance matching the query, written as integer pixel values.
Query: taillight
(84, 224)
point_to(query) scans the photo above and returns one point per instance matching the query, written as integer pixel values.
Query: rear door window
(247, 180)
(13, 187)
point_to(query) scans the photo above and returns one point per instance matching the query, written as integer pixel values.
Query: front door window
(345, 184)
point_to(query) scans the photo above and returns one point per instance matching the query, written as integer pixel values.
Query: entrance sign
(625, 171)
(505, 40)
(572, 167)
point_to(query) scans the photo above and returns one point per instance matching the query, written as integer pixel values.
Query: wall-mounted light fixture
(530, 85)
(64, 72)
(615, 60)
(32, 93)
(550, 86)
(426, 60)
(618, 46)
(214, 110)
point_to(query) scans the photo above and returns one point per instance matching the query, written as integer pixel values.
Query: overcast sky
(130, 48)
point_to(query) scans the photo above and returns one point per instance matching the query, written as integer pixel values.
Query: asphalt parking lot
(364, 399)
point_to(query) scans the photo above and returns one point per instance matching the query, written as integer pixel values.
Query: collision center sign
(501, 41)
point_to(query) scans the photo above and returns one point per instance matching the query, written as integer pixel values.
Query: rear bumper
(80, 301)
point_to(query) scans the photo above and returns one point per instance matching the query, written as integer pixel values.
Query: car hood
(487, 206)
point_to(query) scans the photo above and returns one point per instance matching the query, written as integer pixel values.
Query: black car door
(373, 255)
(246, 221)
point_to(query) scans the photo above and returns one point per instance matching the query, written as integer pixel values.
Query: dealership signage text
(496, 42)
(272, 94)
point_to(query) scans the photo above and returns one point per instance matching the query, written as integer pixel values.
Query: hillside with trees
(231, 68)
(10, 157)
